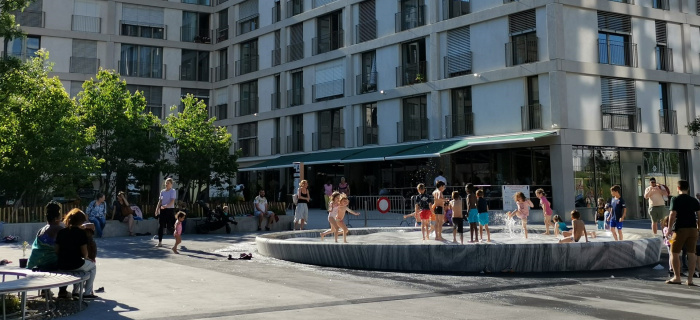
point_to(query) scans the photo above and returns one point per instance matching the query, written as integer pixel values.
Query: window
(454, 8)
(458, 60)
(295, 142)
(523, 46)
(32, 16)
(661, 4)
(248, 103)
(221, 72)
(199, 2)
(222, 30)
(86, 16)
(249, 58)
(415, 119)
(368, 133)
(667, 117)
(275, 140)
(329, 32)
(247, 16)
(275, 96)
(330, 130)
(413, 67)
(24, 48)
(199, 94)
(411, 15)
(461, 121)
(195, 27)
(367, 80)
(142, 21)
(294, 7)
(614, 31)
(153, 96)
(220, 110)
(330, 83)
(195, 65)
(664, 54)
(366, 29)
(296, 93)
(84, 57)
(141, 61)
(295, 49)
(277, 51)
(619, 108)
(248, 139)
(595, 171)
(532, 112)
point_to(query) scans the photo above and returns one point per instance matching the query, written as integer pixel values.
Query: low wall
(27, 231)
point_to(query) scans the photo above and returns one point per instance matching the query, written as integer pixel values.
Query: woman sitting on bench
(72, 249)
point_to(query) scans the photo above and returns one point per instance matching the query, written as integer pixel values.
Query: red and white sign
(383, 205)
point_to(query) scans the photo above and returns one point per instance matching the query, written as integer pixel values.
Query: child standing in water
(523, 209)
(178, 230)
(483, 208)
(618, 212)
(600, 214)
(457, 217)
(546, 209)
(472, 214)
(342, 208)
(422, 203)
(332, 213)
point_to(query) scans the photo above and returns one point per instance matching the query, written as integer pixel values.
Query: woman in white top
(165, 210)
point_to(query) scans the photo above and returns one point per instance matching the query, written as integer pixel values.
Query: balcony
(276, 55)
(295, 142)
(531, 117)
(294, 7)
(141, 70)
(412, 130)
(457, 125)
(328, 140)
(621, 118)
(248, 147)
(365, 31)
(246, 107)
(143, 30)
(295, 97)
(190, 73)
(661, 4)
(458, 64)
(295, 51)
(275, 146)
(86, 24)
(84, 65)
(521, 52)
(276, 12)
(328, 90)
(411, 73)
(192, 34)
(275, 102)
(221, 34)
(664, 58)
(367, 135)
(29, 18)
(221, 73)
(247, 65)
(617, 53)
(366, 83)
(328, 42)
(667, 121)
(410, 19)
(156, 110)
(247, 24)
(454, 8)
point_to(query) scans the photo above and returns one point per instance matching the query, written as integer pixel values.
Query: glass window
(415, 119)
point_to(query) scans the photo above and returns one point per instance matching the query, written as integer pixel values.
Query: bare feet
(175, 250)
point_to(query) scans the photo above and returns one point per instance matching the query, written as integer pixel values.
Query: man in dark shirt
(683, 229)
(422, 202)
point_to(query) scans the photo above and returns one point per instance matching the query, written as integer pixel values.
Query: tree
(128, 140)
(42, 139)
(199, 151)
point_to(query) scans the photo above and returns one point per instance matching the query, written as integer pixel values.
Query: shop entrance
(637, 167)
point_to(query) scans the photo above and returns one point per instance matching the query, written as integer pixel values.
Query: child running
(332, 213)
(482, 207)
(579, 229)
(600, 214)
(618, 212)
(472, 214)
(422, 203)
(342, 208)
(522, 211)
(546, 209)
(178, 230)
(457, 217)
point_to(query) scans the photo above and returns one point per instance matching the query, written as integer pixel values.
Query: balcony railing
(295, 51)
(295, 142)
(366, 83)
(621, 118)
(458, 64)
(275, 101)
(328, 42)
(156, 110)
(276, 12)
(221, 34)
(84, 65)
(624, 1)
(248, 147)
(143, 30)
(664, 58)
(328, 90)
(221, 73)
(29, 18)
(192, 34)
(410, 19)
(295, 97)
(661, 4)
(294, 7)
(190, 73)
(365, 31)
(248, 65)
(141, 70)
(246, 107)
(86, 24)
(459, 124)
(521, 52)
(667, 121)
(412, 130)
(411, 73)
(328, 140)
(617, 53)
(367, 135)
(531, 116)
(454, 8)
(318, 3)
(276, 57)
(275, 146)
(247, 24)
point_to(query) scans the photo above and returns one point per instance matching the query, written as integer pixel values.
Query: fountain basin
(401, 249)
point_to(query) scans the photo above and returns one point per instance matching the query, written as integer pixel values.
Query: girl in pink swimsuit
(178, 229)
(523, 210)
(332, 213)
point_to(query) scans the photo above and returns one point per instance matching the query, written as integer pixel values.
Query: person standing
(96, 212)
(657, 206)
(683, 231)
(439, 204)
(618, 212)
(422, 203)
(440, 178)
(327, 192)
(472, 213)
(301, 214)
(165, 210)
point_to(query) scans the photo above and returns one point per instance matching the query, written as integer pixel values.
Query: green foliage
(9, 29)
(12, 303)
(200, 150)
(42, 138)
(693, 129)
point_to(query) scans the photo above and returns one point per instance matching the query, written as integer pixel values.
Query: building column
(562, 168)
(434, 112)
(686, 47)
(557, 98)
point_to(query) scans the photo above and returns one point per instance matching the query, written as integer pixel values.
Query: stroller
(215, 219)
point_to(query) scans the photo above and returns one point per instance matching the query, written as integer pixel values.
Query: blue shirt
(95, 211)
(618, 206)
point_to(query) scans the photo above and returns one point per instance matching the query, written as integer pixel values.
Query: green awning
(378, 153)
(328, 157)
(429, 150)
(279, 162)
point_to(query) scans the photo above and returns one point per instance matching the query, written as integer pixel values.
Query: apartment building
(571, 96)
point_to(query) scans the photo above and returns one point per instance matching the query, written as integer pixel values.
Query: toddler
(178, 230)
(600, 214)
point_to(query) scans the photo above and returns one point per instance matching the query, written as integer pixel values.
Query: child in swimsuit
(178, 230)
(579, 229)
(341, 209)
(546, 209)
(332, 213)
(523, 210)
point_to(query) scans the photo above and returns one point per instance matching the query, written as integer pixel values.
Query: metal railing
(454, 8)
(411, 73)
(664, 58)
(139, 29)
(248, 147)
(409, 19)
(294, 7)
(531, 116)
(295, 51)
(617, 53)
(328, 90)
(247, 65)
(367, 135)
(366, 82)
(221, 34)
(621, 118)
(459, 124)
(247, 24)
(275, 146)
(84, 65)
(156, 110)
(328, 42)
(86, 24)
(276, 56)
(246, 107)
(366, 206)
(276, 12)
(365, 31)
(191, 73)
(141, 70)
(275, 101)
(458, 64)
(29, 18)
(521, 52)
(221, 73)
(412, 130)
(295, 97)
(295, 142)
(667, 121)
(328, 140)
(318, 3)
(192, 34)
(661, 4)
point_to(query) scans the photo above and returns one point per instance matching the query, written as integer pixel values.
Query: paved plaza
(143, 282)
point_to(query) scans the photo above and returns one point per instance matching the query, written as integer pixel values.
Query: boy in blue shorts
(472, 214)
(483, 208)
(618, 212)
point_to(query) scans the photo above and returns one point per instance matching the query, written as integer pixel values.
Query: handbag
(126, 211)
(295, 198)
